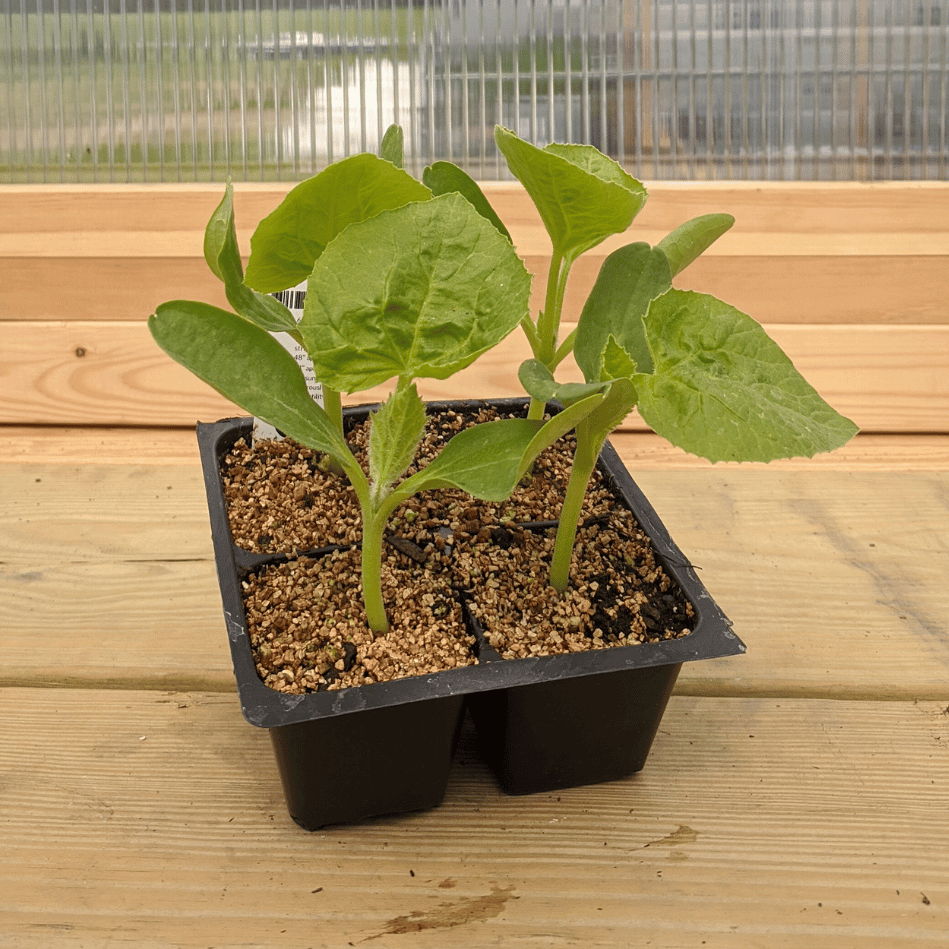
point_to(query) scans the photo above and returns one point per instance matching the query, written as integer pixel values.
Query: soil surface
(280, 498)
(305, 616)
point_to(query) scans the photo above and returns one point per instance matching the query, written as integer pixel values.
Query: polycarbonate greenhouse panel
(169, 90)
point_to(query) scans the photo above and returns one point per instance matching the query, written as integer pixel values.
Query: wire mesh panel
(149, 90)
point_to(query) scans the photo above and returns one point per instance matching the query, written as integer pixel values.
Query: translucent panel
(197, 90)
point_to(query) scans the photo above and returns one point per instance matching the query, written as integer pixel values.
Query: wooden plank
(806, 289)
(24, 444)
(805, 208)
(835, 580)
(645, 451)
(530, 241)
(59, 513)
(115, 624)
(102, 288)
(156, 819)
(888, 379)
(822, 574)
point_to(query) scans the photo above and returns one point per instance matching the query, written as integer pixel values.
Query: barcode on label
(291, 299)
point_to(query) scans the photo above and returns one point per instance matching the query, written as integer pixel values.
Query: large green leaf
(688, 241)
(444, 177)
(421, 291)
(394, 433)
(224, 259)
(582, 196)
(248, 366)
(288, 241)
(628, 280)
(724, 390)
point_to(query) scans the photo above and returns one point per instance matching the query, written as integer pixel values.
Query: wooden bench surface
(795, 796)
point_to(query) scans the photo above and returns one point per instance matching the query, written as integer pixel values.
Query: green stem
(565, 349)
(333, 406)
(535, 412)
(372, 531)
(548, 322)
(584, 461)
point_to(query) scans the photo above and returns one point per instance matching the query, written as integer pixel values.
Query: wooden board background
(852, 279)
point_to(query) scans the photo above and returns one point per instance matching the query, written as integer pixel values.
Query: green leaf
(248, 366)
(484, 460)
(392, 149)
(628, 280)
(220, 239)
(556, 427)
(394, 434)
(617, 363)
(488, 460)
(288, 242)
(224, 259)
(582, 196)
(421, 291)
(620, 400)
(539, 383)
(444, 177)
(724, 390)
(690, 240)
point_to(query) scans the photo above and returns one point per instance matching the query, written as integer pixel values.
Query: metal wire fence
(198, 90)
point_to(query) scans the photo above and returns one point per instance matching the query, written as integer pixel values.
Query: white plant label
(292, 299)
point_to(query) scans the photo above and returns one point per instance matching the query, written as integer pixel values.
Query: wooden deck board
(113, 565)
(794, 208)
(157, 820)
(887, 378)
(72, 445)
(804, 289)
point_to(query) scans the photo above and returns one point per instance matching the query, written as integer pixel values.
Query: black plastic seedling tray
(543, 723)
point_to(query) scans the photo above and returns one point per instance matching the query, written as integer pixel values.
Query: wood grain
(807, 289)
(71, 445)
(804, 208)
(109, 567)
(156, 819)
(889, 379)
(530, 241)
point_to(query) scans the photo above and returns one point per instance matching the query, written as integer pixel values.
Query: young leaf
(394, 433)
(556, 427)
(444, 177)
(539, 383)
(724, 390)
(619, 401)
(248, 366)
(392, 149)
(421, 291)
(224, 259)
(288, 241)
(484, 460)
(582, 196)
(218, 234)
(690, 240)
(617, 363)
(628, 280)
